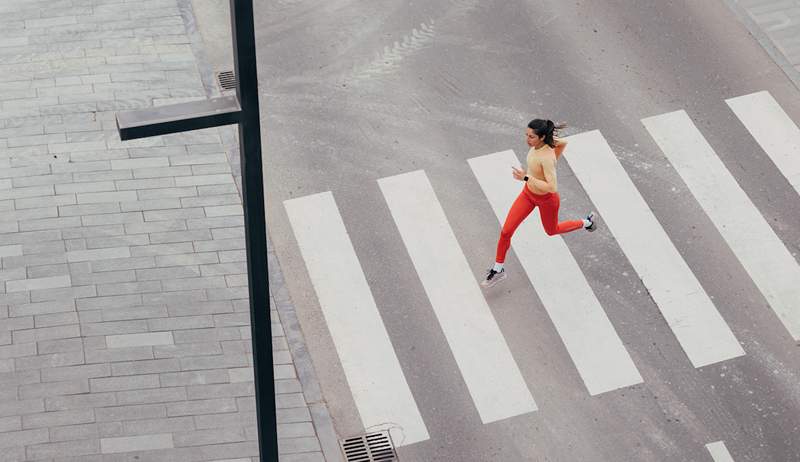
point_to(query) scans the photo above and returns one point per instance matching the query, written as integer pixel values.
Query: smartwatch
(525, 179)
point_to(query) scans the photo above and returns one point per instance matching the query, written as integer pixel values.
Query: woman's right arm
(560, 146)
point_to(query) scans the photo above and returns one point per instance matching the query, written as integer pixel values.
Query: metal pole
(244, 46)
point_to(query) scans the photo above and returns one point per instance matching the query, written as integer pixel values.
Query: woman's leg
(548, 210)
(521, 208)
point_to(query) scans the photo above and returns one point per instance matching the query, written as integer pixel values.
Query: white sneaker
(592, 226)
(493, 277)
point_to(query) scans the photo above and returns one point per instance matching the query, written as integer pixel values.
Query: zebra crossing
(493, 379)
(592, 343)
(370, 364)
(696, 323)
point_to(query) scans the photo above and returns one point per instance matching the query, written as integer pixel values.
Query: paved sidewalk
(124, 320)
(776, 25)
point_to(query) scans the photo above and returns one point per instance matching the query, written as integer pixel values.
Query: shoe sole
(496, 280)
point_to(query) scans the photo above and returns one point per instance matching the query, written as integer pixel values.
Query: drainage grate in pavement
(372, 447)
(227, 81)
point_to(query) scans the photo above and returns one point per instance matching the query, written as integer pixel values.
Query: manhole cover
(372, 447)
(227, 81)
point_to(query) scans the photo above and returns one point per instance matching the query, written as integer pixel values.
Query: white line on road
(588, 335)
(719, 452)
(760, 251)
(773, 130)
(696, 323)
(370, 365)
(480, 350)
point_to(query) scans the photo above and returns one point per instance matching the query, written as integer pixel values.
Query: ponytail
(546, 129)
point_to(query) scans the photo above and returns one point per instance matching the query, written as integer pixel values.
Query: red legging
(522, 207)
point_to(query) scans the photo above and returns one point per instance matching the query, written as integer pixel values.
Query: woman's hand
(517, 173)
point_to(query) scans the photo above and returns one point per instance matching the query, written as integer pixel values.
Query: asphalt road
(356, 91)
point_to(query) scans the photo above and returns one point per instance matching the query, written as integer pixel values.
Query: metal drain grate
(372, 447)
(227, 81)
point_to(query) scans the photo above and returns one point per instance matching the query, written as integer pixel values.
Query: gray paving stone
(136, 443)
(149, 367)
(112, 218)
(47, 333)
(180, 236)
(121, 196)
(187, 259)
(55, 319)
(10, 424)
(74, 432)
(214, 362)
(120, 301)
(163, 193)
(42, 361)
(153, 204)
(171, 379)
(298, 445)
(118, 354)
(303, 457)
(181, 322)
(128, 413)
(220, 390)
(146, 173)
(162, 425)
(25, 437)
(206, 335)
(93, 231)
(21, 407)
(68, 448)
(200, 407)
(214, 436)
(292, 415)
(183, 350)
(75, 292)
(158, 395)
(185, 296)
(58, 418)
(104, 277)
(76, 372)
(59, 345)
(115, 328)
(47, 389)
(210, 169)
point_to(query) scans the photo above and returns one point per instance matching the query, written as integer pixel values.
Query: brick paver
(124, 320)
(776, 25)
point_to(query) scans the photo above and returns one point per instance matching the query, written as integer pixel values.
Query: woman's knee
(549, 228)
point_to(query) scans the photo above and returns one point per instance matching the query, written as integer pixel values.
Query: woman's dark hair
(547, 129)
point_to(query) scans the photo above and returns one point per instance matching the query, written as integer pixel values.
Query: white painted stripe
(773, 130)
(490, 373)
(370, 364)
(590, 338)
(760, 251)
(719, 452)
(696, 323)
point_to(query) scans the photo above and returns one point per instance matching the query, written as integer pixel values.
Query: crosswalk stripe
(379, 388)
(480, 350)
(761, 252)
(773, 130)
(719, 452)
(696, 323)
(588, 335)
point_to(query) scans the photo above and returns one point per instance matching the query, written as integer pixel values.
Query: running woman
(540, 190)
